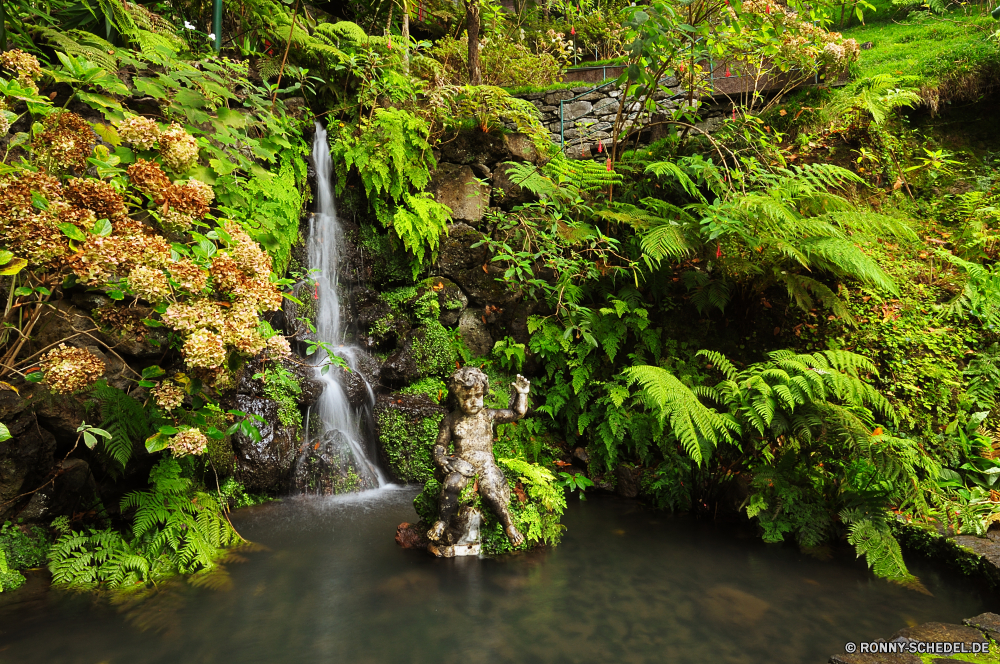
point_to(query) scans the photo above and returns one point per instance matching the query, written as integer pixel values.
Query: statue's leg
(495, 492)
(451, 489)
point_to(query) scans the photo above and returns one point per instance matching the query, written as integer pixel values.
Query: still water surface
(626, 585)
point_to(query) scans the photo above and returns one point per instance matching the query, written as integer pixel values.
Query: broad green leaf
(72, 232)
(102, 227)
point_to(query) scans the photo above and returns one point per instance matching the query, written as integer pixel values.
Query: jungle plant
(176, 529)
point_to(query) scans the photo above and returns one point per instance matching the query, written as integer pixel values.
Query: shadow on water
(626, 585)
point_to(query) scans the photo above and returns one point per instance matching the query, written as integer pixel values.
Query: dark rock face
(507, 194)
(65, 320)
(411, 536)
(27, 457)
(989, 623)
(378, 325)
(456, 186)
(59, 414)
(935, 631)
(323, 468)
(628, 481)
(470, 268)
(474, 333)
(451, 300)
(264, 465)
(407, 426)
(426, 351)
(475, 147)
(74, 491)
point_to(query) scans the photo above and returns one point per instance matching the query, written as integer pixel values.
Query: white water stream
(341, 436)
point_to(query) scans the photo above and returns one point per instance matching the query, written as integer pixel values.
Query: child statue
(470, 428)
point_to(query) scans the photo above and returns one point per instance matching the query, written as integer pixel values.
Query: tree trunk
(472, 26)
(406, 36)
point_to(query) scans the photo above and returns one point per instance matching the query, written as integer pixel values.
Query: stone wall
(588, 115)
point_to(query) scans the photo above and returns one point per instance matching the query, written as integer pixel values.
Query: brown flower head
(150, 179)
(69, 369)
(149, 283)
(24, 65)
(141, 132)
(97, 195)
(178, 148)
(188, 441)
(67, 139)
(204, 349)
(188, 276)
(168, 396)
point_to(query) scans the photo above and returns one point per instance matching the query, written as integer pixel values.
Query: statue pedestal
(461, 537)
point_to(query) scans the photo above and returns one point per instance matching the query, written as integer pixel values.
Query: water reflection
(627, 585)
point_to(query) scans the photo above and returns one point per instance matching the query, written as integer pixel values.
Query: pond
(627, 584)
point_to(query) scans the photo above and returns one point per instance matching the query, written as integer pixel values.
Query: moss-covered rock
(451, 300)
(407, 426)
(426, 351)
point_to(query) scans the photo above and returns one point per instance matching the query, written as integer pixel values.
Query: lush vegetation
(792, 317)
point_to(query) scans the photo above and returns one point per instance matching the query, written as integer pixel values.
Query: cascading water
(337, 459)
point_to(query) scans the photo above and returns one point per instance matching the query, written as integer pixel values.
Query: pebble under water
(627, 584)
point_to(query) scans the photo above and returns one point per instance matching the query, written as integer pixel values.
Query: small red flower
(600, 147)
(718, 250)
(609, 164)
(316, 292)
(727, 72)
(572, 30)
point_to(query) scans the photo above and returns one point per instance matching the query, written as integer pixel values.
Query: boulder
(940, 632)
(60, 414)
(426, 351)
(407, 426)
(379, 326)
(506, 193)
(474, 333)
(411, 536)
(451, 300)
(469, 267)
(457, 187)
(988, 623)
(474, 146)
(628, 484)
(26, 458)
(74, 491)
(522, 148)
(264, 465)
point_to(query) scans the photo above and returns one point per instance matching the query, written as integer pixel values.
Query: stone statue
(470, 429)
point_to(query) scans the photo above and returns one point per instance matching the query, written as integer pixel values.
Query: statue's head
(469, 386)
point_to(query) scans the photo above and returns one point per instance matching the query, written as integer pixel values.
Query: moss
(930, 543)
(282, 386)
(386, 264)
(407, 443)
(432, 387)
(432, 350)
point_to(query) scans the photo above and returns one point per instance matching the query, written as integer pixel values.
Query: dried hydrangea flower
(168, 396)
(141, 132)
(178, 148)
(175, 221)
(96, 195)
(149, 283)
(240, 329)
(149, 178)
(188, 276)
(24, 65)
(4, 122)
(68, 369)
(103, 258)
(278, 347)
(67, 139)
(201, 190)
(188, 441)
(190, 316)
(204, 349)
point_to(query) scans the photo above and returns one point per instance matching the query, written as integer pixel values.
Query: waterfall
(338, 459)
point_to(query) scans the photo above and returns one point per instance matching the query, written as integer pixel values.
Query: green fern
(872, 539)
(123, 416)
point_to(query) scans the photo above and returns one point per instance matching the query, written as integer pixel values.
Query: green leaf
(22, 291)
(167, 430)
(100, 432)
(153, 372)
(72, 232)
(89, 439)
(4, 432)
(149, 322)
(12, 266)
(38, 201)
(156, 442)
(147, 383)
(102, 227)
(150, 87)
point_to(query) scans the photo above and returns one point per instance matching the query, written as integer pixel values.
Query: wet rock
(628, 481)
(451, 300)
(470, 147)
(988, 623)
(474, 333)
(457, 187)
(407, 426)
(64, 320)
(481, 171)
(325, 468)
(60, 414)
(379, 326)
(875, 658)
(411, 536)
(580, 457)
(522, 148)
(74, 491)
(507, 194)
(26, 458)
(264, 465)
(943, 632)
(426, 351)
(469, 267)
